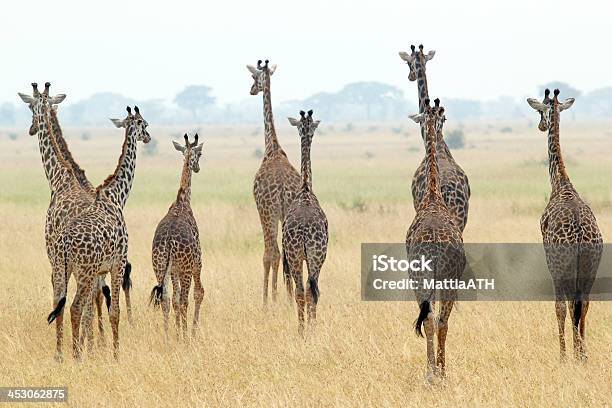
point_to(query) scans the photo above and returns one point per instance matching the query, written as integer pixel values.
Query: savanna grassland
(362, 353)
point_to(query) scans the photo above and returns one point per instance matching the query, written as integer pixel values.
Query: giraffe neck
(556, 166)
(431, 162)
(305, 165)
(116, 188)
(422, 89)
(58, 170)
(270, 132)
(63, 147)
(184, 192)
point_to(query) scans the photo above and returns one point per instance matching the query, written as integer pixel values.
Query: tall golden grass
(361, 353)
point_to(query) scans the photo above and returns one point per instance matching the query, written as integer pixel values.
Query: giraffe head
(432, 118)
(549, 108)
(38, 103)
(136, 123)
(416, 60)
(261, 74)
(191, 151)
(306, 125)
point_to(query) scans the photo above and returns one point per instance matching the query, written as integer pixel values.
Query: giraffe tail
(425, 310)
(57, 310)
(127, 280)
(107, 296)
(313, 285)
(158, 290)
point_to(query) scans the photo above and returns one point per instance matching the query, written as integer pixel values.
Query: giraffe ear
(406, 57)
(178, 146)
(418, 118)
(118, 122)
(252, 69)
(293, 121)
(272, 69)
(315, 124)
(54, 100)
(537, 105)
(198, 148)
(430, 55)
(566, 104)
(26, 98)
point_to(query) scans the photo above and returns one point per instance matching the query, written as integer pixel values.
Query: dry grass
(362, 354)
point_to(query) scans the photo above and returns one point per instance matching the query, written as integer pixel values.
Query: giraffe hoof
(430, 377)
(58, 357)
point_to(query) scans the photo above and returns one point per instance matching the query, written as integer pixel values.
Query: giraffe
(176, 247)
(69, 201)
(305, 233)
(96, 240)
(454, 182)
(571, 237)
(276, 182)
(434, 235)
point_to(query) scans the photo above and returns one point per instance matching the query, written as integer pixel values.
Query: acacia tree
(194, 98)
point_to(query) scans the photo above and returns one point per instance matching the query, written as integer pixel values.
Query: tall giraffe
(454, 183)
(305, 232)
(572, 240)
(96, 241)
(176, 247)
(276, 182)
(433, 234)
(68, 201)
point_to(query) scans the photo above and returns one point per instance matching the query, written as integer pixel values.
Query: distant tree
(455, 139)
(195, 98)
(371, 94)
(599, 102)
(7, 114)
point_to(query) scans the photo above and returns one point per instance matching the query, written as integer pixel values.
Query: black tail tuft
(57, 310)
(127, 281)
(156, 295)
(107, 296)
(425, 309)
(314, 289)
(577, 313)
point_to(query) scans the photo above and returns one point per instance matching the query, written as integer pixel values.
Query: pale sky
(142, 50)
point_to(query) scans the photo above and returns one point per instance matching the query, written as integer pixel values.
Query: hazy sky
(484, 49)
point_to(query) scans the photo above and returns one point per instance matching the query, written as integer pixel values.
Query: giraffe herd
(86, 234)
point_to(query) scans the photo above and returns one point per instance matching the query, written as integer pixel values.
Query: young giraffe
(305, 232)
(572, 240)
(96, 241)
(69, 201)
(276, 182)
(454, 183)
(176, 247)
(434, 235)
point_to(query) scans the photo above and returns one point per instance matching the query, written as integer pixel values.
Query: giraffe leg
(75, 315)
(99, 299)
(165, 304)
(198, 296)
(312, 294)
(271, 258)
(59, 322)
(184, 301)
(87, 317)
(561, 312)
(446, 307)
(114, 313)
(585, 308)
(176, 303)
(128, 304)
(296, 272)
(431, 360)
